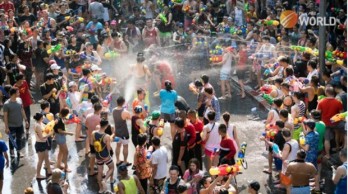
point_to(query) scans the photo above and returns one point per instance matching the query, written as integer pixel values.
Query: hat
(122, 167)
(180, 24)
(138, 109)
(255, 185)
(155, 115)
(310, 123)
(95, 68)
(52, 62)
(71, 84)
(54, 66)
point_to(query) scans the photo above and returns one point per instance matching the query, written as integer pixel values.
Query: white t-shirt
(227, 66)
(214, 139)
(160, 157)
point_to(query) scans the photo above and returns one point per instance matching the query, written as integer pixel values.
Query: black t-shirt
(59, 125)
(177, 143)
(40, 64)
(12, 72)
(279, 140)
(54, 188)
(76, 48)
(181, 104)
(300, 68)
(60, 18)
(45, 89)
(30, 18)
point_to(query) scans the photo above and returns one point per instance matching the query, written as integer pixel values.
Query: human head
(278, 102)
(329, 91)
(280, 124)
(226, 116)
(20, 78)
(94, 99)
(253, 187)
(179, 123)
(286, 133)
(311, 65)
(174, 172)
(138, 110)
(14, 92)
(284, 61)
(222, 130)
(208, 92)
(301, 154)
(284, 114)
(309, 124)
(149, 23)
(45, 106)
(49, 78)
(206, 181)
(142, 137)
(141, 93)
(122, 170)
(211, 115)
(103, 123)
(205, 79)
(120, 101)
(56, 175)
(315, 114)
(64, 112)
(168, 85)
(97, 107)
(192, 115)
(156, 141)
(315, 81)
(29, 190)
(193, 165)
(140, 57)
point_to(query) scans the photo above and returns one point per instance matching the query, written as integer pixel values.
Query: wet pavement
(22, 174)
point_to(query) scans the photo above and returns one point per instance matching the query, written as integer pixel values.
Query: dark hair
(280, 124)
(226, 116)
(142, 137)
(179, 122)
(203, 181)
(222, 128)
(155, 141)
(286, 85)
(64, 112)
(312, 63)
(182, 114)
(205, 78)
(140, 90)
(49, 76)
(196, 162)
(13, 91)
(20, 76)
(315, 80)
(298, 95)
(266, 38)
(168, 85)
(284, 59)
(120, 101)
(286, 132)
(289, 71)
(211, 115)
(198, 83)
(85, 72)
(278, 80)
(191, 112)
(284, 113)
(38, 116)
(174, 167)
(97, 107)
(104, 123)
(208, 90)
(44, 104)
(278, 102)
(94, 99)
(301, 154)
(316, 114)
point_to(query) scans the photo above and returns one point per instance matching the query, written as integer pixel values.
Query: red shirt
(198, 126)
(7, 6)
(24, 93)
(329, 107)
(166, 74)
(226, 144)
(190, 129)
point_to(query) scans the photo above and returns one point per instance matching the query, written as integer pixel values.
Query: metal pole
(322, 39)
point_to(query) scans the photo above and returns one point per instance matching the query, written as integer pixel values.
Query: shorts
(49, 143)
(300, 190)
(40, 146)
(123, 140)
(60, 139)
(329, 135)
(341, 127)
(225, 76)
(168, 117)
(278, 164)
(107, 161)
(241, 74)
(201, 110)
(165, 34)
(209, 153)
(1, 174)
(92, 150)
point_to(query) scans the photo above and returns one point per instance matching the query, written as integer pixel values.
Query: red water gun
(72, 118)
(215, 59)
(224, 169)
(270, 134)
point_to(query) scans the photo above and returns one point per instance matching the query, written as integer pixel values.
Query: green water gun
(54, 49)
(163, 18)
(268, 98)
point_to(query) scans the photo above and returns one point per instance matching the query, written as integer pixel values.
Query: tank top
(130, 187)
(341, 186)
(214, 139)
(151, 35)
(120, 124)
(275, 116)
(302, 107)
(108, 130)
(135, 127)
(104, 153)
(41, 127)
(293, 150)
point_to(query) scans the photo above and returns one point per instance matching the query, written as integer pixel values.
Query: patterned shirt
(312, 139)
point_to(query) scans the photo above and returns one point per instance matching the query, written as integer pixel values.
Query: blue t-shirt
(3, 148)
(168, 100)
(94, 27)
(312, 139)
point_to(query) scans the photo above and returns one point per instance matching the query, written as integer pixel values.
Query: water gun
(187, 8)
(116, 139)
(276, 149)
(83, 56)
(148, 155)
(49, 127)
(74, 19)
(246, 7)
(115, 188)
(201, 42)
(72, 118)
(111, 55)
(160, 4)
(223, 170)
(299, 120)
(163, 18)
(106, 81)
(160, 128)
(302, 139)
(233, 30)
(216, 59)
(270, 134)
(340, 54)
(107, 100)
(267, 89)
(271, 126)
(54, 49)
(69, 28)
(335, 9)
(267, 72)
(268, 98)
(217, 51)
(70, 52)
(203, 8)
(49, 117)
(241, 153)
(77, 69)
(338, 117)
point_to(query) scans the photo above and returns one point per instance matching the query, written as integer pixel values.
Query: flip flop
(266, 171)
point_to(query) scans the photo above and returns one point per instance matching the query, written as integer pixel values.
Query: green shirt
(320, 128)
(130, 185)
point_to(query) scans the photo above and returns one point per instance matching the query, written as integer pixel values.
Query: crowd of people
(74, 57)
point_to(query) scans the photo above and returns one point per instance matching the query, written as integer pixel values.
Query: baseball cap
(155, 115)
(122, 167)
(255, 185)
(72, 83)
(54, 66)
(138, 109)
(52, 62)
(95, 68)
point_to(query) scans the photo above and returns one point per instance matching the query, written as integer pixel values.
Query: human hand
(179, 162)
(26, 124)
(7, 164)
(7, 131)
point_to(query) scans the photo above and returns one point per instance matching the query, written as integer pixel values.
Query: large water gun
(72, 118)
(224, 169)
(267, 89)
(271, 127)
(70, 52)
(49, 127)
(74, 19)
(111, 55)
(83, 56)
(77, 69)
(160, 128)
(299, 120)
(269, 22)
(267, 72)
(241, 155)
(107, 100)
(50, 116)
(171, 3)
(54, 49)
(163, 18)
(302, 139)
(268, 98)
(215, 58)
(201, 41)
(338, 117)
(340, 54)
(217, 51)
(270, 134)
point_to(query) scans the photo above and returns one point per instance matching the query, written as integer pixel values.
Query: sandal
(267, 171)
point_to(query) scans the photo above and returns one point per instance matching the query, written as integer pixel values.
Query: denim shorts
(224, 76)
(60, 139)
(300, 190)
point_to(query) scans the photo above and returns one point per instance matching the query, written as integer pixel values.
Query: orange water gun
(215, 59)
(338, 117)
(224, 169)
(299, 120)
(270, 134)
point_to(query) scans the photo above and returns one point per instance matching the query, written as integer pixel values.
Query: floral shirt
(142, 167)
(312, 139)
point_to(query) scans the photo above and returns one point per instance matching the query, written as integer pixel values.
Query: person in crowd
(198, 125)
(128, 183)
(50, 91)
(57, 184)
(137, 124)
(253, 187)
(4, 162)
(141, 162)
(140, 101)
(339, 175)
(179, 145)
(193, 175)
(168, 97)
(159, 160)
(227, 147)
(14, 115)
(172, 183)
(60, 137)
(212, 104)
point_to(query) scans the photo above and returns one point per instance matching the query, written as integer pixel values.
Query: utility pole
(322, 39)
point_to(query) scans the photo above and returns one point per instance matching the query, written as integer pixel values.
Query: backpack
(97, 144)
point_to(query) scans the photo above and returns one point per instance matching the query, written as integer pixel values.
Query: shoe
(222, 98)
